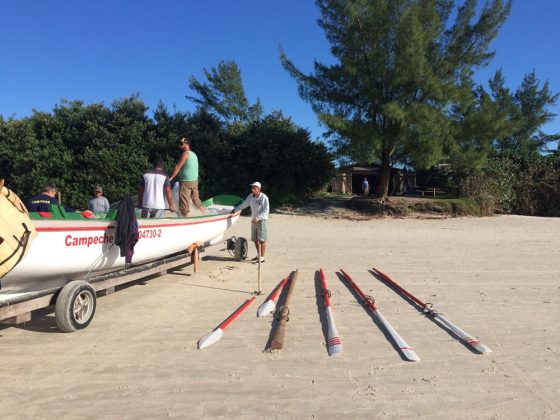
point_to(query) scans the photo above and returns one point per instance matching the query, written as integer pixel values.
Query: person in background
(365, 186)
(258, 201)
(153, 188)
(187, 172)
(42, 202)
(98, 202)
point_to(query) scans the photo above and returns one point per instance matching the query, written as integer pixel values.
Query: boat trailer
(75, 302)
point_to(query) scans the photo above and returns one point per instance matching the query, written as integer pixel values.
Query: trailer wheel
(75, 306)
(241, 248)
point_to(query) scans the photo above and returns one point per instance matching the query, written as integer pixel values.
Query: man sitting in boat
(98, 203)
(43, 201)
(153, 184)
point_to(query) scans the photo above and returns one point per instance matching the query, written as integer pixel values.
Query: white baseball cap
(256, 184)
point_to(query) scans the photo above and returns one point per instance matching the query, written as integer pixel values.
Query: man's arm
(243, 205)
(182, 161)
(169, 199)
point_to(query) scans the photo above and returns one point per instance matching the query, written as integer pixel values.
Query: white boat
(71, 246)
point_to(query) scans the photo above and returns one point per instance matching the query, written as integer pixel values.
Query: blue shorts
(259, 231)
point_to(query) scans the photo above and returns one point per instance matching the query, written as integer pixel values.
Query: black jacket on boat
(126, 231)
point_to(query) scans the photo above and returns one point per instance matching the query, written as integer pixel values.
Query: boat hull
(69, 249)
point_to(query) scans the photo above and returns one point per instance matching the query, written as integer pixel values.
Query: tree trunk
(385, 175)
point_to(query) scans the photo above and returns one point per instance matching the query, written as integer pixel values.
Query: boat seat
(71, 215)
(55, 210)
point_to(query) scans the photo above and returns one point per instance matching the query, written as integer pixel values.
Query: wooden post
(259, 255)
(193, 250)
(195, 259)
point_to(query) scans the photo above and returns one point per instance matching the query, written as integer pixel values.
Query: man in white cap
(258, 201)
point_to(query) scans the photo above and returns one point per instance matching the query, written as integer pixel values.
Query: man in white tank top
(153, 185)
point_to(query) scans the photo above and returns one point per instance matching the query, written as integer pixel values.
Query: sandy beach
(498, 278)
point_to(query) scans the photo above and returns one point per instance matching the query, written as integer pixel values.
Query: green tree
(401, 66)
(476, 124)
(223, 94)
(282, 156)
(527, 110)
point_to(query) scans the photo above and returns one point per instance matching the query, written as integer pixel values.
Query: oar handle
(238, 312)
(325, 290)
(399, 288)
(277, 342)
(369, 301)
(291, 288)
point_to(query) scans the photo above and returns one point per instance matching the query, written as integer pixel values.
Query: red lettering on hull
(87, 241)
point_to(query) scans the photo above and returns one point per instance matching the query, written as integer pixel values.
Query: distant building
(349, 180)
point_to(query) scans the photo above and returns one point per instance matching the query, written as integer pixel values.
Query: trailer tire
(75, 306)
(241, 248)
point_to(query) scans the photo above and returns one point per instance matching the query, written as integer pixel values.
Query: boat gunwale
(63, 225)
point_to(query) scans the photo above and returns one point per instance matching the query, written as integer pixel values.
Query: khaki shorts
(259, 231)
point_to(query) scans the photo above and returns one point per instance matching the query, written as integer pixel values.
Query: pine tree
(224, 96)
(401, 67)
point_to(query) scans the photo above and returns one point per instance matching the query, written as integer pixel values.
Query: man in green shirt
(186, 171)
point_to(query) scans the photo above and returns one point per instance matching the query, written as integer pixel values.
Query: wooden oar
(282, 314)
(217, 334)
(334, 344)
(407, 351)
(270, 304)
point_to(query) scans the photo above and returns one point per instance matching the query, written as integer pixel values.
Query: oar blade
(266, 308)
(210, 338)
(334, 346)
(478, 346)
(334, 343)
(410, 355)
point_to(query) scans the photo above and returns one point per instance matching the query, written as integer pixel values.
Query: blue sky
(101, 50)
